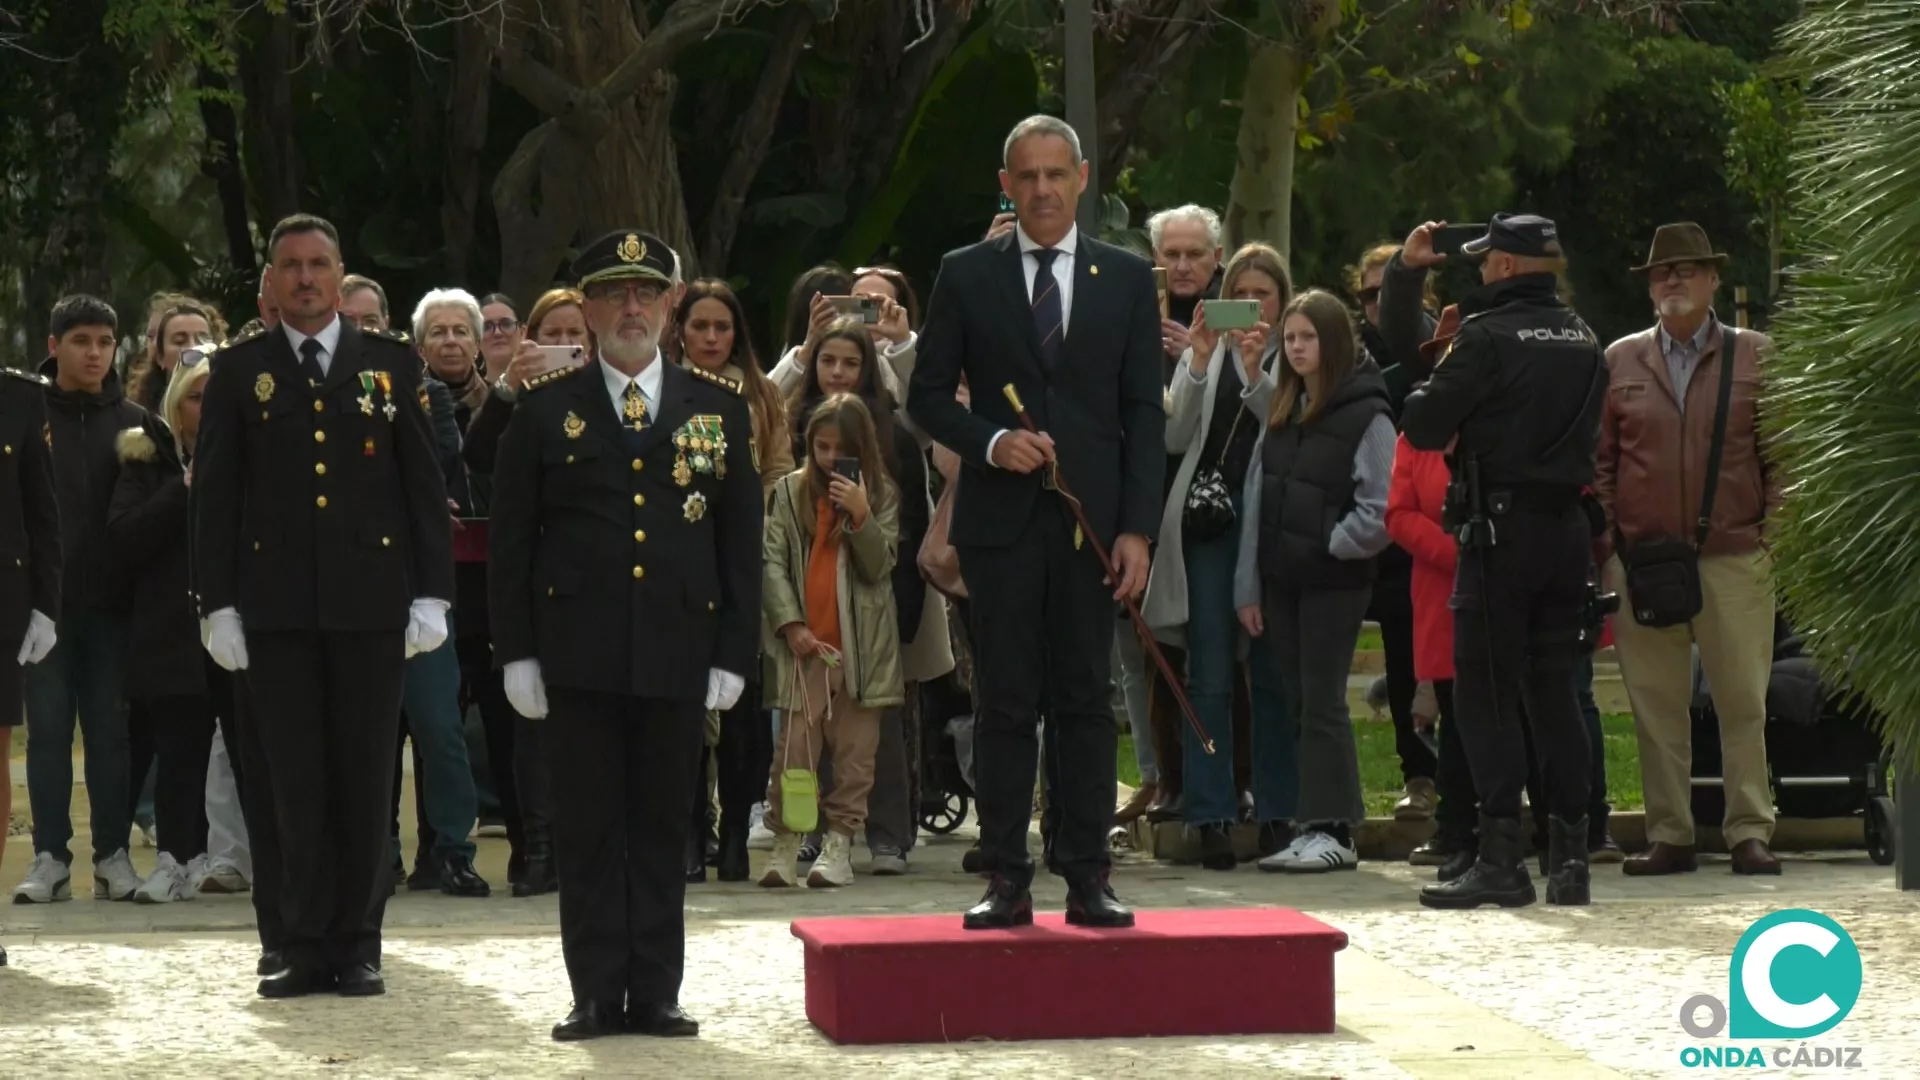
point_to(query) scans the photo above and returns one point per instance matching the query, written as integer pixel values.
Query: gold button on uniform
(319, 436)
(321, 502)
(256, 545)
(639, 536)
(319, 468)
(386, 541)
(639, 500)
(709, 605)
(9, 449)
(639, 572)
(569, 459)
(637, 463)
(319, 406)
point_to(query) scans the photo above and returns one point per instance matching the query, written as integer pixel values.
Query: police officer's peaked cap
(1526, 235)
(625, 255)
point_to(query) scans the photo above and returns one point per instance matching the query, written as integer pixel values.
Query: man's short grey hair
(1193, 212)
(439, 298)
(1040, 125)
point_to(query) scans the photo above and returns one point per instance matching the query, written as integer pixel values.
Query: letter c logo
(1794, 974)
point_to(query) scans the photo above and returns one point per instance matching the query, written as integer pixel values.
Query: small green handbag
(800, 788)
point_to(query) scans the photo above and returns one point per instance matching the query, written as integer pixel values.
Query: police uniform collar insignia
(384, 334)
(263, 388)
(696, 506)
(573, 426)
(730, 385)
(631, 249)
(553, 376)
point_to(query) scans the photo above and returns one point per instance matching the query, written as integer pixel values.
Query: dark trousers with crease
(239, 729)
(621, 772)
(327, 709)
(1043, 637)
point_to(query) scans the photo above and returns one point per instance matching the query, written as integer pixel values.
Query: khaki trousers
(852, 732)
(1734, 631)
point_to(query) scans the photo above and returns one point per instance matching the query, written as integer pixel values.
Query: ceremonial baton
(1113, 574)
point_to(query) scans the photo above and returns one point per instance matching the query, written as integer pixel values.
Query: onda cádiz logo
(1794, 975)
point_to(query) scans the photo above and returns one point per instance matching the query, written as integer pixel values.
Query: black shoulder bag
(1663, 572)
(1208, 513)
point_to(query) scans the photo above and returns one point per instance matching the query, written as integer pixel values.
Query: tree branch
(685, 22)
(750, 139)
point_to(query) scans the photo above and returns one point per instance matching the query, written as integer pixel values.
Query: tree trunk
(1260, 199)
(466, 135)
(221, 164)
(266, 63)
(750, 140)
(1159, 40)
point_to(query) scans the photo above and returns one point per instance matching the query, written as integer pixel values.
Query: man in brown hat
(1688, 493)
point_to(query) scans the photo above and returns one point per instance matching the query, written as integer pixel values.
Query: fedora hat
(1443, 334)
(1683, 242)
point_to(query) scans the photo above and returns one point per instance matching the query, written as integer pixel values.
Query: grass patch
(1380, 782)
(1369, 640)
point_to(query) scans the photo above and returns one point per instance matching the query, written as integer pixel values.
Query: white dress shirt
(329, 339)
(649, 380)
(1062, 276)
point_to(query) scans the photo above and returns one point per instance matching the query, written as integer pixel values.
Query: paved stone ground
(97, 987)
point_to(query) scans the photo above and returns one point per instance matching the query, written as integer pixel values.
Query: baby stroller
(946, 752)
(1823, 755)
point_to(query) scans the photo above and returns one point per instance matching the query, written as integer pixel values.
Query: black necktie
(310, 361)
(1048, 319)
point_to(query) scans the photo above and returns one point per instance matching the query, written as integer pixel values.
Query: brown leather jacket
(1652, 460)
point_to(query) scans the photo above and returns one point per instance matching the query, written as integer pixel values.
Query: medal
(695, 508)
(386, 389)
(366, 392)
(681, 474)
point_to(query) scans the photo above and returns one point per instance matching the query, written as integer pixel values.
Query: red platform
(1235, 971)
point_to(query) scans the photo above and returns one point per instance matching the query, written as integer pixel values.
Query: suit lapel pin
(696, 507)
(1093, 269)
(574, 426)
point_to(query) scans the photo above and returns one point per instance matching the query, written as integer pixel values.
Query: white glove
(526, 690)
(723, 689)
(426, 625)
(225, 643)
(39, 640)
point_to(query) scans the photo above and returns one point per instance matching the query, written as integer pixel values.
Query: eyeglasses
(503, 326)
(613, 292)
(1370, 296)
(1662, 274)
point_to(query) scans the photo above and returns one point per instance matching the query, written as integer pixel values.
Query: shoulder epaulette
(552, 377)
(247, 333)
(28, 376)
(729, 385)
(398, 337)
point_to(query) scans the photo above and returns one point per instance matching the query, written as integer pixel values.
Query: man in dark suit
(624, 562)
(323, 558)
(1074, 326)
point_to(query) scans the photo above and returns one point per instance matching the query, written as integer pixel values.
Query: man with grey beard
(624, 584)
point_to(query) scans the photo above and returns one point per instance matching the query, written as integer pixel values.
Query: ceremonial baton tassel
(1113, 575)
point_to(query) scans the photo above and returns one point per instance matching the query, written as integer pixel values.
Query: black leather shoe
(457, 877)
(733, 864)
(590, 1020)
(425, 877)
(1170, 808)
(360, 980)
(296, 980)
(1092, 903)
(1457, 864)
(695, 856)
(975, 860)
(1499, 876)
(661, 1021)
(538, 878)
(1216, 848)
(1005, 906)
(272, 961)
(1566, 863)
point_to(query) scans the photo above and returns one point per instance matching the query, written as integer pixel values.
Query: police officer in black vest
(323, 559)
(624, 564)
(1517, 399)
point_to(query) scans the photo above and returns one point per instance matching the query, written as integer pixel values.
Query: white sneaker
(834, 867)
(167, 883)
(782, 870)
(114, 879)
(47, 880)
(197, 870)
(887, 862)
(1280, 860)
(1321, 853)
(224, 877)
(759, 837)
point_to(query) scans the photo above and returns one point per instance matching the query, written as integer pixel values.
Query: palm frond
(1843, 400)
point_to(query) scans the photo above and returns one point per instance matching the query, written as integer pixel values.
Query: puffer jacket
(869, 629)
(147, 525)
(86, 465)
(1652, 463)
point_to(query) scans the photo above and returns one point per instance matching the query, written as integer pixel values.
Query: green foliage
(1842, 406)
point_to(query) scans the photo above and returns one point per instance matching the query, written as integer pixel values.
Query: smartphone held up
(864, 308)
(557, 358)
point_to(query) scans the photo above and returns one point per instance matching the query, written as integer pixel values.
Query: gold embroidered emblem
(631, 249)
(696, 507)
(574, 426)
(263, 388)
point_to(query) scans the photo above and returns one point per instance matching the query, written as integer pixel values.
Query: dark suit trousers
(621, 773)
(1043, 635)
(327, 707)
(239, 727)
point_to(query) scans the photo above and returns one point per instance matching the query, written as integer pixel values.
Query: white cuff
(990, 445)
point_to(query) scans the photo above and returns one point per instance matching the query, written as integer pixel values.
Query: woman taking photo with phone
(1315, 517)
(832, 536)
(825, 297)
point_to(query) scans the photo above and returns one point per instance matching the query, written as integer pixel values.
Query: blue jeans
(81, 679)
(1130, 666)
(431, 700)
(1213, 641)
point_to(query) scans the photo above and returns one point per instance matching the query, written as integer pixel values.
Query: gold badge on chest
(573, 426)
(263, 388)
(699, 447)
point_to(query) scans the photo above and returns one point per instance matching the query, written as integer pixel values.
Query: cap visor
(1477, 247)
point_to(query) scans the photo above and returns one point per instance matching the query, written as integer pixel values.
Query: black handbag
(1663, 572)
(1208, 513)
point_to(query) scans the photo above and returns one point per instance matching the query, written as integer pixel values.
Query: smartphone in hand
(1448, 240)
(1006, 204)
(848, 468)
(1232, 314)
(1160, 287)
(556, 357)
(864, 308)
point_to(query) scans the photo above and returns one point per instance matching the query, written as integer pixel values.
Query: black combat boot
(1567, 876)
(1499, 875)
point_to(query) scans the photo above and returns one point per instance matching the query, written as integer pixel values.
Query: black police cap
(624, 255)
(1526, 235)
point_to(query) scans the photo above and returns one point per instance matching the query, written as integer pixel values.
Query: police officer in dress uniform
(29, 550)
(323, 558)
(1520, 390)
(624, 565)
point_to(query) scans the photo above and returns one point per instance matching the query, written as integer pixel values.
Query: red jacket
(1413, 520)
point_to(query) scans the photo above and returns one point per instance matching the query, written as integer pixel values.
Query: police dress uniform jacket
(626, 562)
(30, 541)
(319, 509)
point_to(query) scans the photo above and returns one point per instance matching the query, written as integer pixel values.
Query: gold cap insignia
(631, 249)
